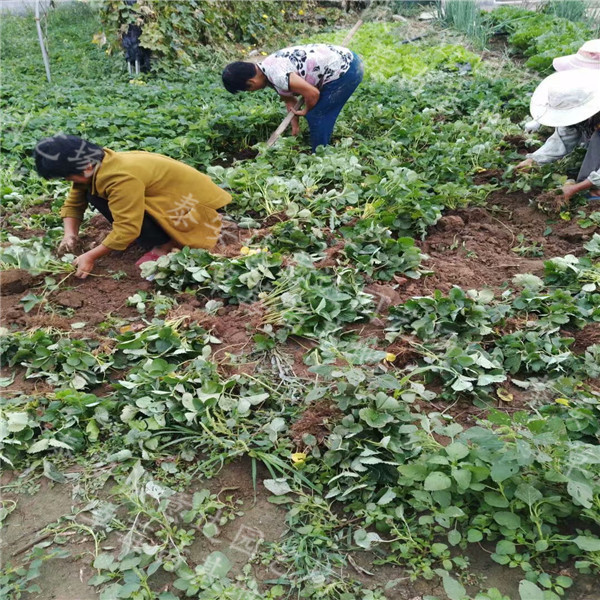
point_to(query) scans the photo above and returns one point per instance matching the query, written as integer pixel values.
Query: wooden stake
(41, 38)
(288, 119)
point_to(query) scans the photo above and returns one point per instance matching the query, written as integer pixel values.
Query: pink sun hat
(587, 57)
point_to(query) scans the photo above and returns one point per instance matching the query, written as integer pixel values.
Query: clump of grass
(574, 10)
(466, 16)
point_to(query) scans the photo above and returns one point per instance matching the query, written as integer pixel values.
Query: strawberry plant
(240, 279)
(295, 236)
(466, 315)
(310, 302)
(464, 419)
(372, 250)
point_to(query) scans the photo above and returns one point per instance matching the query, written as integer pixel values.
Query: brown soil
(275, 218)
(95, 231)
(479, 254)
(245, 154)
(488, 176)
(21, 385)
(518, 142)
(331, 255)
(94, 298)
(232, 238)
(15, 281)
(586, 337)
(404, 351)
(296, 348)
(385, 295)
(318, 420)
(234, 325)
(552, 201)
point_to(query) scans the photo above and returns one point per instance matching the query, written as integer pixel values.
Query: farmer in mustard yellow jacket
(151, 199)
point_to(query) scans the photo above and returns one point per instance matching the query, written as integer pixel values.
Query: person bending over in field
(324, 75)
(570, 102)
(150, 199)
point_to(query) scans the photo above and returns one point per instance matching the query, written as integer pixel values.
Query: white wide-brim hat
(566, 98)
(587, 57)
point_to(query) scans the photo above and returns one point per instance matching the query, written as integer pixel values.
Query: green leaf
(217, 564)
(582, 492)
(507, 519)
(503, 470)
(365, 539)
(210, 530)
(564, 581)
(462, 477)
(505, 547)
(530, 591)
(103, 561)
(496, 500)
(528, 494)
(488, 379)
(39, 446)
(453, 588)
(474, 535)
(17, 421)
(386, 498)
(587, 543)
(375, 419)
(6, 381)
(92, 430)
(278, 487)
(456, 450)
(454, 537)
(436, 481)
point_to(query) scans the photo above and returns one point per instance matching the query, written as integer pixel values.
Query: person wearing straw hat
(587, 57)
(570, 102)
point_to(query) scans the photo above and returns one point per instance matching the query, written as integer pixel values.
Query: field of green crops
(382, 383)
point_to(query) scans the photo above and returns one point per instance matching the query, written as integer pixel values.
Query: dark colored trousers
(591, 161)
(334, 95)
(152, 234)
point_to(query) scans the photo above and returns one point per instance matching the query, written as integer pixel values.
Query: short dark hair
(236, 74)
(62, 155)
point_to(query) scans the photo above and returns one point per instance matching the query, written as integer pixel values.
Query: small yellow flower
(300, 12)
(390, 357)
(265, 16)
(299, 458)
(562, 401)
(504, 395)
(264, 53)
(244, 250)
(265, 249)
(283, 12)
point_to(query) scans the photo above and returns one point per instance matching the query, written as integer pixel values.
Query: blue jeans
(334, 95)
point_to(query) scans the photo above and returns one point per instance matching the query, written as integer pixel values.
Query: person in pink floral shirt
(323, 74)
